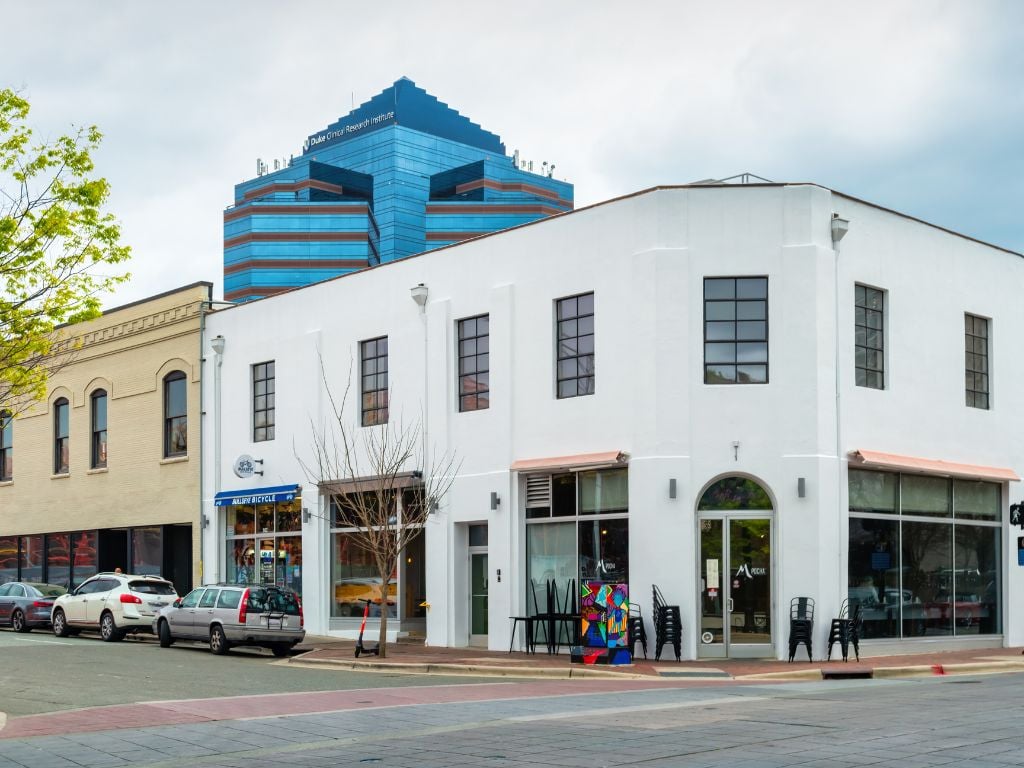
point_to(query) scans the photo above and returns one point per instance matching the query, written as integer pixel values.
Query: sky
(915, 105)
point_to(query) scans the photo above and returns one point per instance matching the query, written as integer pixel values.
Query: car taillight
(42, 604)
(244, 607)
(302, 619)
(126, 598)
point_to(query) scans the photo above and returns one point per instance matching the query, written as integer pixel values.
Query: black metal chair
(840, 632)
(801, 625)
(668, 625)
(637, 633)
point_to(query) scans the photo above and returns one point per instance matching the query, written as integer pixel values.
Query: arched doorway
(735, 542)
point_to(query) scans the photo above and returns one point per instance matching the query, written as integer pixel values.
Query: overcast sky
(916, 106)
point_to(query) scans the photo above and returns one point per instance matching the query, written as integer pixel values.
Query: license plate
(158, 604)
(274, 623)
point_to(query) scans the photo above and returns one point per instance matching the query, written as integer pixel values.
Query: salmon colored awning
(575, 461)
(879, 460)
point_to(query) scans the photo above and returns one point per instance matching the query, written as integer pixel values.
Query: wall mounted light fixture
(672, 488)
(205, 521)
(801, 487)
(306, 515)
(495, 500)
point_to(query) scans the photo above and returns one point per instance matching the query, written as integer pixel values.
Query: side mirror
(177, 603)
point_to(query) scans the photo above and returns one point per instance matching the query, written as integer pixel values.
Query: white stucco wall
(645, 258)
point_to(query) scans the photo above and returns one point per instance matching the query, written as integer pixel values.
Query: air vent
(538, 491)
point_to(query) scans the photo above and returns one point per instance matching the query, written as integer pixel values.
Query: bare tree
(383, 479)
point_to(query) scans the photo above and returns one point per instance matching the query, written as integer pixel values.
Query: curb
(911, 671)
(477, 670)
(3, 720)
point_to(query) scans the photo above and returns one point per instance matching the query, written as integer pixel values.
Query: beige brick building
(104, 472)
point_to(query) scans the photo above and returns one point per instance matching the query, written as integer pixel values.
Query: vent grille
(538, 491)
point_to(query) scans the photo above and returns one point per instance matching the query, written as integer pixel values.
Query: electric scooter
(373, 650)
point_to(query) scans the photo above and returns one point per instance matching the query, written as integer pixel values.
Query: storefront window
(147, 551)
(414, 579)
(31, 558)
(604, 550)
(289, 515)
(241, 561)
(241, 520)
(256, 552)
(265, 518)
(915, 574)
(355, 579)
(58, 560)
(550, 556)
(8, 559)
(83, 556)
(734, 493)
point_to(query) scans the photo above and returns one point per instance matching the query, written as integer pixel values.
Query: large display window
(924, 555)
(264, 544)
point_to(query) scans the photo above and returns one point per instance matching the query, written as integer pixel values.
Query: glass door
(478, 598)
(735, 587)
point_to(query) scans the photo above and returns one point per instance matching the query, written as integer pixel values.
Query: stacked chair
(668, 626)
(801, 625)
(637, 633)
(845, 630)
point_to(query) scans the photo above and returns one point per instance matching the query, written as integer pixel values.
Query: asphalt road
(43, 673)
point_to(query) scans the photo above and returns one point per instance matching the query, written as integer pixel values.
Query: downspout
(203, 305)
(839, 228)
(218, 348)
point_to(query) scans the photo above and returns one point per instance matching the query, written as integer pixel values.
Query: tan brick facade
(127, 352)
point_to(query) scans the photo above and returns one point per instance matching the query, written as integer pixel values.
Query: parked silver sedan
(24, 605)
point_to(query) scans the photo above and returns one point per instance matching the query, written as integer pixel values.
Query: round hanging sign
(245, 466)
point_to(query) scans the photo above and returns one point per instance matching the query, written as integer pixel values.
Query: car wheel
(60, 623)
(218, 643)
(18, 622)
(280, 650)
(166, 640)
(108, 629)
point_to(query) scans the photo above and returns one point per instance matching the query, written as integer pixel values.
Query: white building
(850, 459)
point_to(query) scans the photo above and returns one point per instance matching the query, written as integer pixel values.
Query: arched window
(6, 445)
(98, 452)
(61, 444)
(175, 414)
(735, 493)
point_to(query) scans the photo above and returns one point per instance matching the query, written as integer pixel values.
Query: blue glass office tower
(401, 174)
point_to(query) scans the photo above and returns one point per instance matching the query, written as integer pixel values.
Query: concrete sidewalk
(409, 657)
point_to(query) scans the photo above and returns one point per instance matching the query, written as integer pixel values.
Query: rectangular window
(61, 444)
(736, 330)
(575, 339)
(6, 445)
(869, 336)
(98, 451)
(474, 363)
(924, 555)
(374, 365)
(263, 402)
(976, 360)
(175, 414)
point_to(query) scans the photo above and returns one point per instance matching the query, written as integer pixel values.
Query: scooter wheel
(357, 652)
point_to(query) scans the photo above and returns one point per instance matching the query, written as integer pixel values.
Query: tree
(383, 481)
(56, 247)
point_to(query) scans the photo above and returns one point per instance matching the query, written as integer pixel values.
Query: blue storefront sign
(256, 496)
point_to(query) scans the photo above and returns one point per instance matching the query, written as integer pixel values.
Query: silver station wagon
(226, 615)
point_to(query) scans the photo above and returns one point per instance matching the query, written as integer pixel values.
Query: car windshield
(47, 590)
(152, 587)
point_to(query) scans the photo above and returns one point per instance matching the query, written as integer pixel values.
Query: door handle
(728, 605)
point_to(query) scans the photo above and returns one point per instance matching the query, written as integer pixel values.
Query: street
(248, 710)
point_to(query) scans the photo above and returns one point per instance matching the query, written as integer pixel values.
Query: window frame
(481, 364)
(97, 432)
(973, 397)
(578, 378)
(374, 414)
(61, 441)
(6, 446)
(172, 421)
(867, 329)
(735, 341)
(269, 400)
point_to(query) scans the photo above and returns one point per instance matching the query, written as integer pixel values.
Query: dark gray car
(225, 615)
(24, 605)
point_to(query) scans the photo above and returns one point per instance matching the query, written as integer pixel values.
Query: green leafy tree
(59, 251)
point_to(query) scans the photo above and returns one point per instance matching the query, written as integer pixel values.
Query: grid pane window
(61, 445)
(575, 345)
(374, 366)
(474, 363)
(976, 361)
(263, 402)
(175, 415)
(869, 336)
(98, 450)
(6, 445)
(736, 330)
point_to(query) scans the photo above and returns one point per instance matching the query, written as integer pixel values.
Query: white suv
(113, 603)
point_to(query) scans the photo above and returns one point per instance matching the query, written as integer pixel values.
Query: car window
(152, 587)
(257, 602)
(283, 601)
(4, 589)
(229, 598)
(191, 600)
(16, 591)
(48, 590)
(209, 599)
(90, 587)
